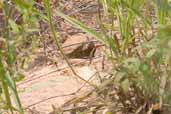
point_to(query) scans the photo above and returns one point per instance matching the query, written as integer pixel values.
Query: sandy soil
(47, 85)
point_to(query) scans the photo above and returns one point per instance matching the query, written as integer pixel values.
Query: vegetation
(139, 51)
(137, 39)
(15, 36)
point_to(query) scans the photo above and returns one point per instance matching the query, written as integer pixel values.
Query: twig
(83, 107)
(73, 93)
(56, 39)
(64, 95)
(53, 71)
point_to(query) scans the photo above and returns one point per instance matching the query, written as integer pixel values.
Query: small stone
(78, 46)
(86, 72)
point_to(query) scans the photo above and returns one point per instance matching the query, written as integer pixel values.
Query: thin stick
(56, 39)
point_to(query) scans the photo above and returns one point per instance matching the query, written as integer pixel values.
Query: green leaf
(19, 77)
(22, 4)
(108, 112)
(136, 12)
(13, 89)
(32, 30)
(11, 53)
(83, 27)
(150, 53)
(14, 26)
(5, 85)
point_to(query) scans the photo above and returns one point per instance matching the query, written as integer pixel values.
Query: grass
(13, 37)
(138, 49)
(142, 66)
(7, 68)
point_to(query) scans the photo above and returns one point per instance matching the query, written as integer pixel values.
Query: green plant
(140, 56)
(15, 34)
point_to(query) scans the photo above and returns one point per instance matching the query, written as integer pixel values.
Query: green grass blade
(136, 12)
(83, 27)
(5, 86)
(12, 85)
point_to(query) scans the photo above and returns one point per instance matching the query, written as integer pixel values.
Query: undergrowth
(137, 39)
(137, 36)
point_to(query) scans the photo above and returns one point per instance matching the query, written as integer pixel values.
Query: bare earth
(46, 86)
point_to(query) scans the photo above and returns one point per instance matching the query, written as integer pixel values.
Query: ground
(50, 85)
(49, 81)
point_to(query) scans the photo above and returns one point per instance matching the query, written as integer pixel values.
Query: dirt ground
(49, 83)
